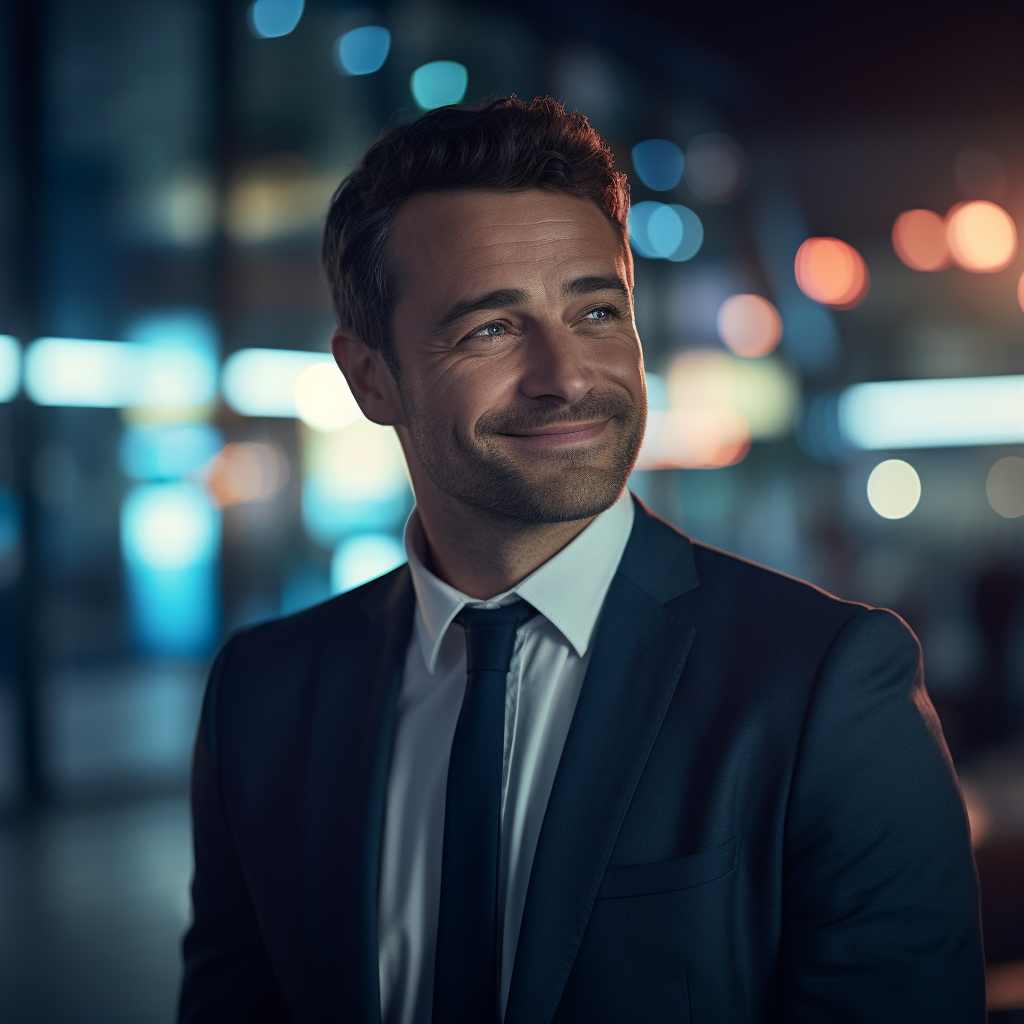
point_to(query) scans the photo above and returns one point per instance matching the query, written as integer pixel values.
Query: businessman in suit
(565, 765)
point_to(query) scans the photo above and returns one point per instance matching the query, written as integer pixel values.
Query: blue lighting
(10, 367)
(658, 164)
(168, 452)
(116, 374)
(439, 83)
(360, 559)
(270, 19)
(662, 231)
(170, 540)
(10, 523)
(328, 517)
(363, 50)
(261, 381)
(693, 235)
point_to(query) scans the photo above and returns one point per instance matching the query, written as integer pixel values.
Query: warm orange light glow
(749, 325)
(919, 238)
(246, 471)
(694, 439)
(981, 236)
(1020, 291)
(832, 273)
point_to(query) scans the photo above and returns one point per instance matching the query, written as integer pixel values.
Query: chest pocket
(670, 875)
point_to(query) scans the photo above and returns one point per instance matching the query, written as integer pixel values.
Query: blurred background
(828, 288)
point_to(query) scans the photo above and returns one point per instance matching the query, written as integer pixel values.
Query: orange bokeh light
(831, 272)
(1020, 291)
(749, 325)
(982, 236)
(919, 238)
(245, 471)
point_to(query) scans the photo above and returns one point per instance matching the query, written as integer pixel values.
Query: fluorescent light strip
(117, 375)
(261, 381)
(933, 413)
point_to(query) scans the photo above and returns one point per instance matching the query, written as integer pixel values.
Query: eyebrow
(588, 285)
(517, 297)
(492, 300)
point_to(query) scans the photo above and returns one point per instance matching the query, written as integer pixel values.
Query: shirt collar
(568, 589)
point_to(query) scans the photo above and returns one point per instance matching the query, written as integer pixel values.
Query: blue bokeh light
(270, 19)
(167, 452)
(439, 83)
(328, 517)
(693, 234)
(663, 231)
(170, 542)
(10, 367)
(363, 50)
(362, 558)
(658, 164)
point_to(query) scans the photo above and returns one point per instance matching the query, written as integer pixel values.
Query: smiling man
(565, 765)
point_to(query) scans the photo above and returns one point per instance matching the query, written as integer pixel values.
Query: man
(566, 765)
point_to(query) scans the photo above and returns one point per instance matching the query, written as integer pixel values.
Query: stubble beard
(574, 484)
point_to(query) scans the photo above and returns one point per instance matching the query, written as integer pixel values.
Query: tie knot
(491, 635)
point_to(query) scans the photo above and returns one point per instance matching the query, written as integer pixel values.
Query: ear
(370, 378)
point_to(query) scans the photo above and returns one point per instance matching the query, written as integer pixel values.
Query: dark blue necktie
(466, 968)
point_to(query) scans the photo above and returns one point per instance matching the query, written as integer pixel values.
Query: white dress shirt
(549, 661)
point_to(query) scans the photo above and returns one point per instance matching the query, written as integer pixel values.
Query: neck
(483, 557)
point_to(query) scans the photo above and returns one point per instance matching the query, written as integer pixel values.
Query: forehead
(477, 240)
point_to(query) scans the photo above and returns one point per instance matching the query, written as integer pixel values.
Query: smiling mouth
(559, 434)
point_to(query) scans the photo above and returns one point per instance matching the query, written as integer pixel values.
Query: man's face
(521, 371)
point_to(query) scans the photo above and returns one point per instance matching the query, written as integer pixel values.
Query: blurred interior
(817, 208)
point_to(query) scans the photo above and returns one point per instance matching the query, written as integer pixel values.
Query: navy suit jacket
(754, 819)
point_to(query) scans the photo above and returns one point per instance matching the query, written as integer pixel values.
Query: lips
(556, 434)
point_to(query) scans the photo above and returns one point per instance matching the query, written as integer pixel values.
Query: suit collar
(644, 635)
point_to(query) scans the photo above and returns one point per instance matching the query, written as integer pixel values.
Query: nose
(556, 366)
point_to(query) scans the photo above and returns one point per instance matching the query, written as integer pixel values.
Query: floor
(93, 903)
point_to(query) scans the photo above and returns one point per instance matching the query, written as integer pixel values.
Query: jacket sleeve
(881, 913)
(228, 976)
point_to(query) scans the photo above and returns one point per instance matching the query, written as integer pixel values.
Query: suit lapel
(643, 638)
(352, 724)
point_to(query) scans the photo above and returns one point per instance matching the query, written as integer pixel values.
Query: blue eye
(492, 331)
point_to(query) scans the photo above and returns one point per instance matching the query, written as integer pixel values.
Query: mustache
(592, 406)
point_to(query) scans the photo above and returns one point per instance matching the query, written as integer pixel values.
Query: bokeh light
(749, 325)
(941, 413)
(246, 471)
(658, 164)
(363, 50)
(982, 236)
(167, 451)
(714, 405)
(323, 400)
(894, 489)
(439, 83)
(665, 231)
(1005, 487)
(1020, 291)
(261, 381)
(919, 238)
(831, 272)
(354, 481)
(364, 557)
(269, 19)
(716, 168)
(115, 374)
(10, 367)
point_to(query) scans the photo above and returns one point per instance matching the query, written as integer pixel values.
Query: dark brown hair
(505, 145)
